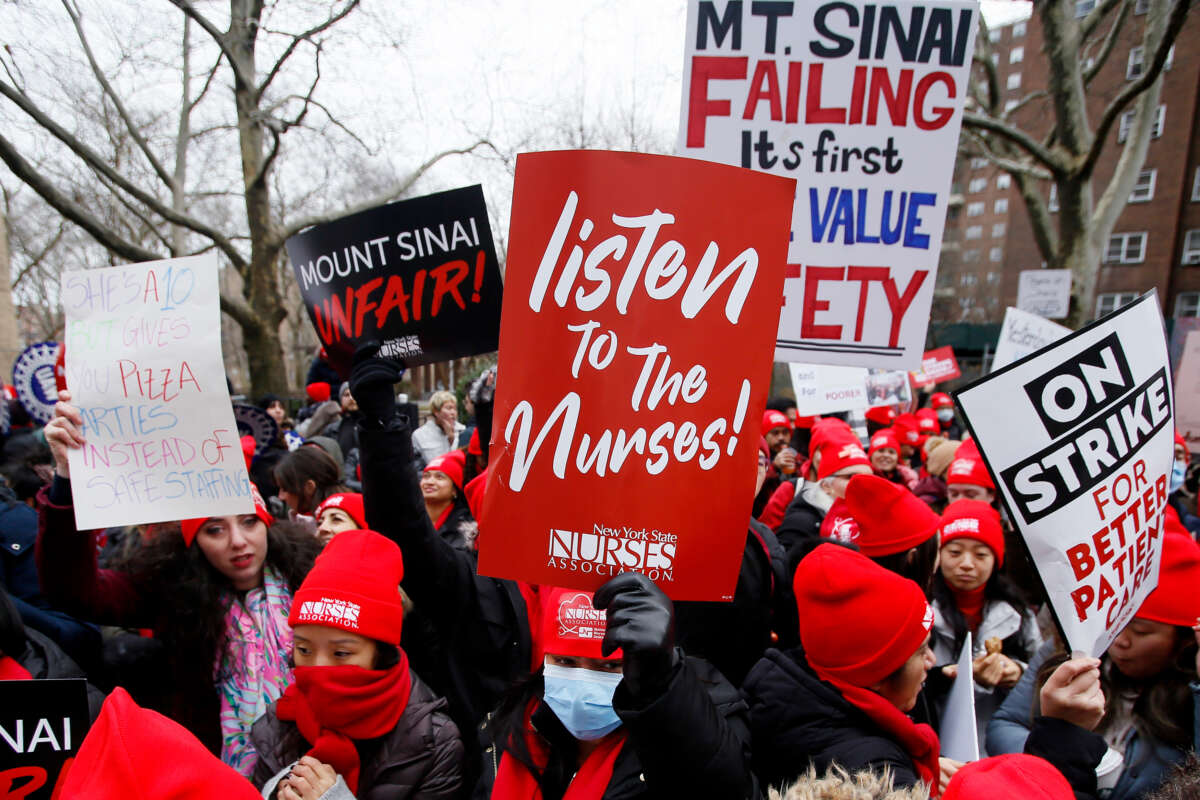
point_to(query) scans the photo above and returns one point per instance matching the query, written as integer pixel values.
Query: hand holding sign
(64, 432)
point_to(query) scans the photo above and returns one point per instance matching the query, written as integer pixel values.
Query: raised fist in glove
(372, 382)
(641, 622)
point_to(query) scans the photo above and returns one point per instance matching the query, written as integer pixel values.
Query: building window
(997, 230)
(1014, 81)
(1052, 200)
(1126, 122)
(1160, 118)
(1187, 304)
(1191, 247)
(1003, 181)
(1016, 55)
(1002, 203)
(996, 254)
(975, 209)
(1018, 30)
(1082, 7)
(970, 256)
(994, 35)
(1126, 248)
(977, 185)
(978, 163)
(1143, 190)
(967, 279)
(1009, 105)
(1196, 186)
(974, 232)
(996, 59)
(1136, 64)
(1108, 303)
(993, 277)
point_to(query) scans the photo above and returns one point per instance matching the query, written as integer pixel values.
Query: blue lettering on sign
(844, 213)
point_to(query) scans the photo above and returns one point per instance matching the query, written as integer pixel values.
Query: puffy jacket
(692, 741)
(1146, 761)
(421, 759)
(797, 720)
(43, 660)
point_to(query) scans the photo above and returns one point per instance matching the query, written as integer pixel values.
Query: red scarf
(919, 740)
(442, 517)
(11, 670)
(514, 781)
(971, 605)
(333, 706)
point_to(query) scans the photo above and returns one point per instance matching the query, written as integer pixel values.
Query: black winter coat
(796, 719)
(801, 524)
(420, 759)
(43, 659)
(692, 741)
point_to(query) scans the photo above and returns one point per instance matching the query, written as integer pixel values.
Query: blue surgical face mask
(945, 414)
(582, 700)
(1178, 471)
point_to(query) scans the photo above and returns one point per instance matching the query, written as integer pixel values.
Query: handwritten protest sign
(1085, 481)
(144, 366)
(42, 724)
(823, 389)
(1023, 334)
(861, 102)
(1187, 391)
(958, 734)
(419, 276)
(937, 366)
(640, 308)
(1045, 292)
(33, 378)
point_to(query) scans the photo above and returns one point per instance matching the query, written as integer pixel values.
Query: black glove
(641, 621)
(371, 384)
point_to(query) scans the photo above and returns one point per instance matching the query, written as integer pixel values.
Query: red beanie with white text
(571, 625)
(349, 502)
(884, 438)
(974, 519)
(968, 467)
(839, 453)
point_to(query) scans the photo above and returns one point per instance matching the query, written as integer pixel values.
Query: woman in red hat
(1148, 678)
(971, 595)
(215, 592)
(356, 719)
(445, 502)
(884, 453)
(340, 512)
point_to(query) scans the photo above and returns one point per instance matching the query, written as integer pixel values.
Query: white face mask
(945, 414)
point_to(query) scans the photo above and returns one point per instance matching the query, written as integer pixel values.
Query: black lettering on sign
(1073, 465)
(731, 20)
(1080, 387)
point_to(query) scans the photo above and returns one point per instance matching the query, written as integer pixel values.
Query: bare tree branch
(304, 37)
(1018, 137)
(1110, 41)
(217, 36)
(1003, 161)
(241, 312)
(1096, 16)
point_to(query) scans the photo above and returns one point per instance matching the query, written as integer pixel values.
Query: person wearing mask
(215, 591)
(885, 459)
(1146, 684)
(843, 695)
(1175, 499)
(439, 434)
(967, 478)
(356, 721)
(971, 595)
(943, 407)
(895, 529)
(445, 503)
(615, 709)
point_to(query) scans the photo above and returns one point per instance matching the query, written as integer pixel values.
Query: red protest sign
(936, 366)
(642, 297)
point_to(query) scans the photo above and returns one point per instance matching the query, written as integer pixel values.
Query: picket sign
(1023, 333)
(937, 365)
(1045, 292)
(42, 724)
(635, 345)
(1079, 440)
(144, 366)
(824, 389)
(861, 102)
(958, 732)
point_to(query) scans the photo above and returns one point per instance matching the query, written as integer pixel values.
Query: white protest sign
(824, 389)
(1187, 391)
(861, 103)
(1045, 292)
(1085, 479)
(144, 366)
(957, 733)
(1023, 334)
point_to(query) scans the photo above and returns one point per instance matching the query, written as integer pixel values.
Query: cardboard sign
(1023, 334)
(824, 389)
(419, 276)
(640, 309)
(42, 724)
(957, 733)
(1187, 391)
(144, 367)
(1045, 292)
(33, 378)
(937, 366)
(1079, 441)
(860, 102)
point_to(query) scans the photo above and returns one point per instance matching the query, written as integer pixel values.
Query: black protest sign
(42, 724)
(419, 276)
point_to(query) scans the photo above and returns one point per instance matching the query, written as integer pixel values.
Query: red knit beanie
(1176, 599)
(451, 465)
(248, 446)
(974, 519)
(829, 428)
(891, 519)
(803, 422)
(883, 438)
(859, 622)
(318, 392)
(967, 467)
(908, 430)
(881, 415)
(940, 400)
(354, 585)
(927, 422)
(1014, 775)
(1182, 442)
(123, 756)
(474, 491)
(350, 502)
(773, 419)
(474, 448)
(839, 453)
(571, 625)
(190, 527)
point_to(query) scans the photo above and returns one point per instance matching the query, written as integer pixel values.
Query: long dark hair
(1163, 708)
(309, 464)
(509, 736)
(997, 589)
(180, 582)
(917, 563)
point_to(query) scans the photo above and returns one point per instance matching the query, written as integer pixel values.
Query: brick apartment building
(1156, 241)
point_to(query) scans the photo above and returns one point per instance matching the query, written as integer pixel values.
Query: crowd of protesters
(339, 641)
